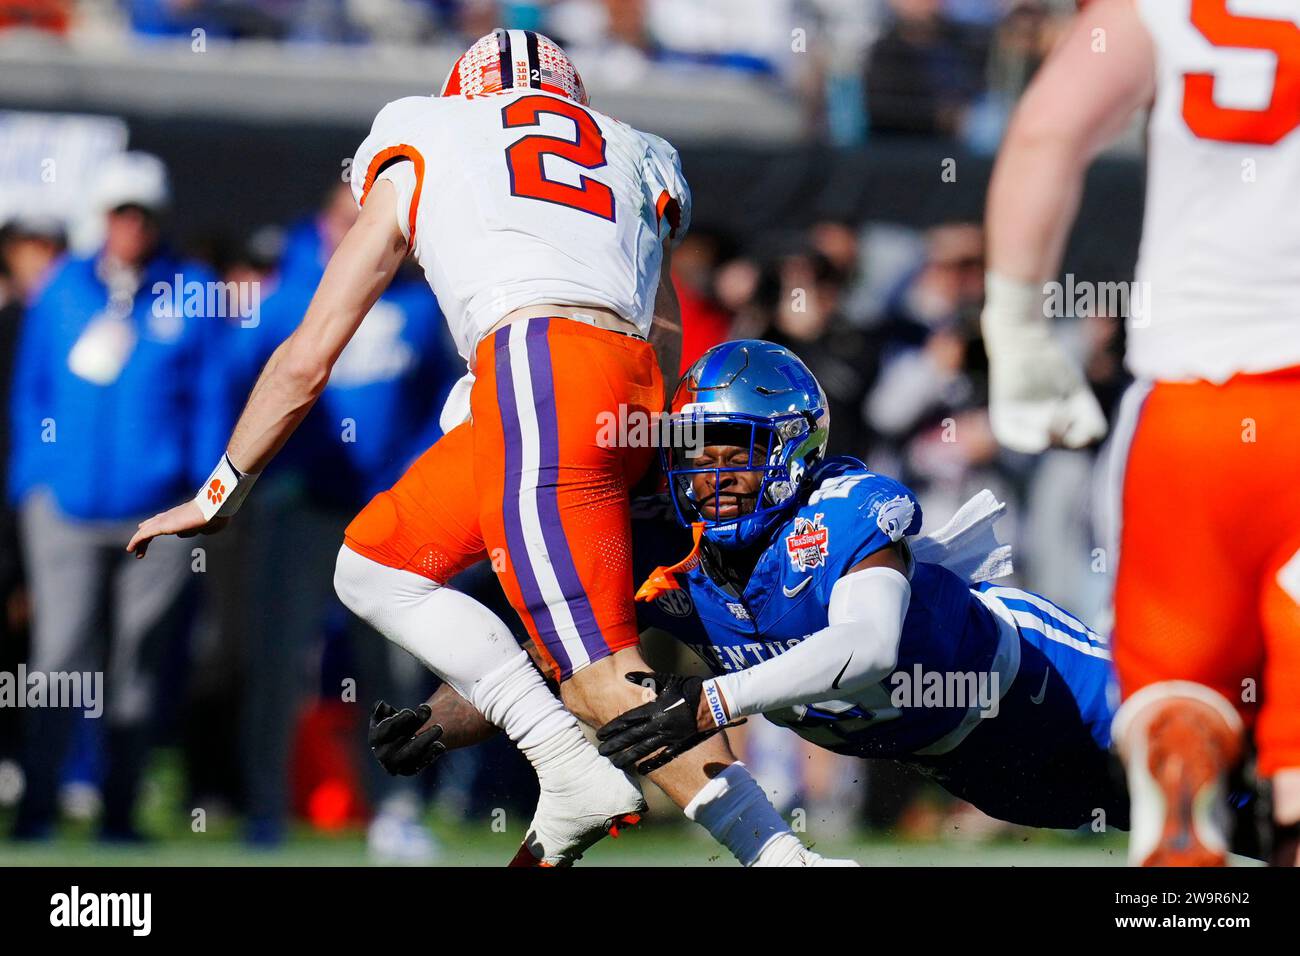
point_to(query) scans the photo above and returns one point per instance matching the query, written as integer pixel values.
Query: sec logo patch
(676, 603)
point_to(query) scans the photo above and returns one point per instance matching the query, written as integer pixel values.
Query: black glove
(395, 744)
(669, 721)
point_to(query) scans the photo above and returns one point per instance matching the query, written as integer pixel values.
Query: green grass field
(661, 845)
(661, 841)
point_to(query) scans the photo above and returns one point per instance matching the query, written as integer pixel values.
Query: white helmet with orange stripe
(507, 60)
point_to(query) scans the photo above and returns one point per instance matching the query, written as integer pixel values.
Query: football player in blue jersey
(812, 599)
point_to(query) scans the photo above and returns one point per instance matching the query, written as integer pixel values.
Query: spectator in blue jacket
(118, 411)
(377, 414)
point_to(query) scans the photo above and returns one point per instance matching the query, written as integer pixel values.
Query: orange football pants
(1209, 562)
(533, 483)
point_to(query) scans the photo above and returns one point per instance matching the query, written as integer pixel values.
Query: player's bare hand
(184, 521)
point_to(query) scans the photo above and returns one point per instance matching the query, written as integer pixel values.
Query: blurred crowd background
(940, 67)
(230, 653)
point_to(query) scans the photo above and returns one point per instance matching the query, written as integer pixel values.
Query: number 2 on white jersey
(525, 157)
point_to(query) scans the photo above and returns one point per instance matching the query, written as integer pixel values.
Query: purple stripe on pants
(548, 501)
(510, 505)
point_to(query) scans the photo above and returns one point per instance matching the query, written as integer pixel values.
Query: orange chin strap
(661, 579)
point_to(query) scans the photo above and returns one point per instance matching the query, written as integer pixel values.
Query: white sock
(736, 812)
(516, 699)
(469, 647)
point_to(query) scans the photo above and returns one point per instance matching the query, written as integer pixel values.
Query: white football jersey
(1220, 254)
(523, 199)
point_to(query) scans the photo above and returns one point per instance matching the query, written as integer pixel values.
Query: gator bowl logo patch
(807, 544)
(895, 516)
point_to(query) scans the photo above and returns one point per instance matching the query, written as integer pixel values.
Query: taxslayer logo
(808, 544)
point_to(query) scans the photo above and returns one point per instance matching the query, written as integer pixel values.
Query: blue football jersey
(849, 514)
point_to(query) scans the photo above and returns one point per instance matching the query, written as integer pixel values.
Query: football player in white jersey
(1207, 446)
(544, 228)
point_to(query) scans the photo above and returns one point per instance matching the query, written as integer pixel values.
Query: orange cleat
(1178, 740)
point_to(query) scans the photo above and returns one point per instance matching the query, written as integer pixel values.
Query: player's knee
(352, 584)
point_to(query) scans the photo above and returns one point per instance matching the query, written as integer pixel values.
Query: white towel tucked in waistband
(456, 409)
(967, 545)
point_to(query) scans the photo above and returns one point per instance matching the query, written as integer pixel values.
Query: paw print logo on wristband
(216, 491)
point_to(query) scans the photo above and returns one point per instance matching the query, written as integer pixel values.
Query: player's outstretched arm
(857, 648)
(358, 273)
(1086, 93)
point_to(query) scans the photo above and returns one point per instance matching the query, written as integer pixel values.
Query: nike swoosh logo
(835, 684)
(1042, 691)
(794, 591)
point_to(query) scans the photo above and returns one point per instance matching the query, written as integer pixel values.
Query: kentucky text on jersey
(960, 645)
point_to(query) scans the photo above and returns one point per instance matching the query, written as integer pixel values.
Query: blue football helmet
(754, 395)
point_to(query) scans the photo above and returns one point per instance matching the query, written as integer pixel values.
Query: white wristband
(224, 491)
(716, 708)
(1011, 308)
